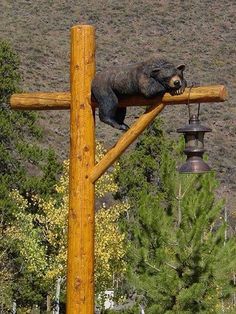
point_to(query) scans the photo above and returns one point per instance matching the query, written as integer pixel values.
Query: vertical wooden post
(80, 277)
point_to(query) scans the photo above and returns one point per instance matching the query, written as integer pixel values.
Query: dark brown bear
(150, 78)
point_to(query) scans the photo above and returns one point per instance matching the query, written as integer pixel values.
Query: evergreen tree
(179, 259)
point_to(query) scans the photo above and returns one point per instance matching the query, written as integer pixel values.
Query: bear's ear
(154, 72)
(181, 67)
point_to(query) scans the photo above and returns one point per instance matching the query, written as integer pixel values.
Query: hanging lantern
(194, 146)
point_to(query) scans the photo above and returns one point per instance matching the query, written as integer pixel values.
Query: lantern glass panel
(194, 140)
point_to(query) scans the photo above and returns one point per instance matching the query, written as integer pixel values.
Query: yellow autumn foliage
(51, 219)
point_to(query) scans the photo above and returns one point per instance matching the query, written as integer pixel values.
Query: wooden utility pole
(80, 265)
(83, 171)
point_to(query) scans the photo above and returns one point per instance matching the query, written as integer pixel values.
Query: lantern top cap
(194, 126)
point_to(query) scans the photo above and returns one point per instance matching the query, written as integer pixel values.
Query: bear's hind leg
(120, 117)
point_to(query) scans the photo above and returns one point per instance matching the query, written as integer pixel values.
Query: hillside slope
(202, 34)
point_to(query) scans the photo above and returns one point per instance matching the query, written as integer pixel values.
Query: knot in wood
(77, 283)
(86, 149)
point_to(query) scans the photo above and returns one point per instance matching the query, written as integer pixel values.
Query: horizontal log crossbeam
(62, 100)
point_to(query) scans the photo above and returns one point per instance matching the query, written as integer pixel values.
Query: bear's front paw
(124, 127)
(178, 91)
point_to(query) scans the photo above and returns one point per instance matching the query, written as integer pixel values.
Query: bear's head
(168, 75)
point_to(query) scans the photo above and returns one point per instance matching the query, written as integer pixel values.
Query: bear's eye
(167, 78)
(167, 74)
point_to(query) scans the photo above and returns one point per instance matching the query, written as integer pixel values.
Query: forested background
(164, 242)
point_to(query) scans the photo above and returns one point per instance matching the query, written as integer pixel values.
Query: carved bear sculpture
(150, 78)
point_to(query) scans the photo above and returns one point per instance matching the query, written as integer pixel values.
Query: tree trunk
(48, 303)
(14, 307)
(56, 309)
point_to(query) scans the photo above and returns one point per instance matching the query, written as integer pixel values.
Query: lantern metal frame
(194, 146)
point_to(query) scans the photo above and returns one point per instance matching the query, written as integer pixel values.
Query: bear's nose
(177, 83)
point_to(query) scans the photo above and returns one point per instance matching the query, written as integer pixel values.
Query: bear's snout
(175, 82)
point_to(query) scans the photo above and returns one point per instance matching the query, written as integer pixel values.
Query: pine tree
(179, 261)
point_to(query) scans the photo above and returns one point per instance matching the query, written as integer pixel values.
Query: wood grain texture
(61, 100)
(80, 271)
(135, 130)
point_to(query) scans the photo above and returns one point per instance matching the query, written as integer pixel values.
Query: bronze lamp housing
(194, 146)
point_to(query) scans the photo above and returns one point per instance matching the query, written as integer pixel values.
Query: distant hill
(202, 34)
